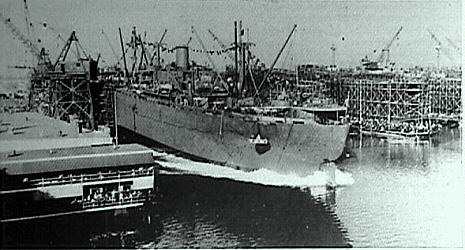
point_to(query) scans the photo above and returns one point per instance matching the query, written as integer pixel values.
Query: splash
(260, 176)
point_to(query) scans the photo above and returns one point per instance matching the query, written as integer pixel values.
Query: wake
(260, 176)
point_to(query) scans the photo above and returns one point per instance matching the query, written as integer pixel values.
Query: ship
(193, 110)
(245, 140)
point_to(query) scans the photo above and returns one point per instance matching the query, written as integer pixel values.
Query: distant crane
(453, 44)
(40, 54)
(439, 48)
(385, 53)
(29, 24)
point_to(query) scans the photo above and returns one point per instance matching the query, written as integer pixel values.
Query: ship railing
(113, 202)
(100, 176)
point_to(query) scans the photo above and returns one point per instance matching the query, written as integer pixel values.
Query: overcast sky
(356, 28)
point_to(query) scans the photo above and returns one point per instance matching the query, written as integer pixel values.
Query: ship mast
(235, 57)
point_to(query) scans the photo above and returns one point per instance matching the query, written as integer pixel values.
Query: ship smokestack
(182, 57)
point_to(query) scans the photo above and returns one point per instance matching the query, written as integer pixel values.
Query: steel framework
(71, 96)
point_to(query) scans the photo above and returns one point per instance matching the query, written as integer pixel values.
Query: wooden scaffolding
(386, 97)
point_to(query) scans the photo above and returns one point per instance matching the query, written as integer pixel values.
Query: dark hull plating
(224, 138)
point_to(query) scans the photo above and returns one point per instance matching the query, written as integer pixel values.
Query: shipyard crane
(221, 45)
(439, 48)
(64, 52)
(453, 44)
(29, 24)
(40, 54)
(384, 56)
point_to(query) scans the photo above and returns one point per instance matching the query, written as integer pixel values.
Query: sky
(356, 28)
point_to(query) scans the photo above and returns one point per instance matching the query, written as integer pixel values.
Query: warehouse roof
(71, 159)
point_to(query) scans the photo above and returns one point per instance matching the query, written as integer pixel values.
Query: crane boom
(221, 45)
(29, 24)
(452, 44)
(24, 40)
(434, 37)
(388, 46)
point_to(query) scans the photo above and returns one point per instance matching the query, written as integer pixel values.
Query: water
(387, 196)
(404, 195)
(202, 212)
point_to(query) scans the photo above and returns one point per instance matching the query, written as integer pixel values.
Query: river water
(404, 195)
(388, 195)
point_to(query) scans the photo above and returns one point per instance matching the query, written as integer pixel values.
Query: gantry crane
(64, 52)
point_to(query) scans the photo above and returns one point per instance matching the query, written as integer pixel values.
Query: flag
(242, 32)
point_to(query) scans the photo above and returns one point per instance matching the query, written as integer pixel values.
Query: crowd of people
(110, 195)
(383, 125)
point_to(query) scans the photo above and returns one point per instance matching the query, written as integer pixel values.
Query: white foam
(260, 176)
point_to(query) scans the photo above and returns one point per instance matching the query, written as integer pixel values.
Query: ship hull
(225, 138)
